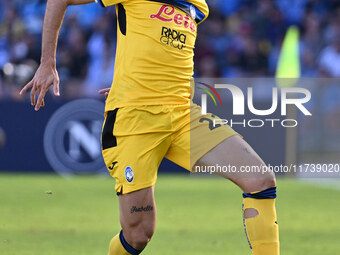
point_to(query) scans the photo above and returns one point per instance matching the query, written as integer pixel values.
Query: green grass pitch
(195, 216)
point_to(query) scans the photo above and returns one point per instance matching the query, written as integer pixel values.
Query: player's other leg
(259, 192)
(133, 148)
(138, 220)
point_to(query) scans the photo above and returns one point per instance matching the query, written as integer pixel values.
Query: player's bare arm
(47, 74)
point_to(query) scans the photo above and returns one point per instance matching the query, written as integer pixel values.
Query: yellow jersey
(155, 50)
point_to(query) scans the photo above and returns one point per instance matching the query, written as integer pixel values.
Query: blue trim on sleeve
(199, 15)
(266, 194)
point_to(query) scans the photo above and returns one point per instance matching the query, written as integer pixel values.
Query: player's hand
(44, 78)
(104, 91)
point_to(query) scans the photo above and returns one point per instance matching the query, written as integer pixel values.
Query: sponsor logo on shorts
(173, 38)
(129, 175)
(113, 165)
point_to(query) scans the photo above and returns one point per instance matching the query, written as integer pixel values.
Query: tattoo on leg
(136, 209)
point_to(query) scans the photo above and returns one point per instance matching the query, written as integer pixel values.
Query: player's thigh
(196, 136)
(138, 214)
(238, 162)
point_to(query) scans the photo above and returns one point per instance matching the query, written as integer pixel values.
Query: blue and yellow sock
(119, 246)
(262, 230)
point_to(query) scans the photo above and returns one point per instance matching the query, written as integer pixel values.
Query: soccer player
(149, 115)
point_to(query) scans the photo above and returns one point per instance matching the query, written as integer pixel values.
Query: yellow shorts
(136, 139)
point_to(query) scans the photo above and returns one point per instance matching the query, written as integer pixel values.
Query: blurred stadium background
(241, 39)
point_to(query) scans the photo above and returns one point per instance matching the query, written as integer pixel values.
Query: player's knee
(141, 236)
(268, 182)
(141, 239)
(262, 183)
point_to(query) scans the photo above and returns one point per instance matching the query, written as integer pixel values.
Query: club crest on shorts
(129, 175)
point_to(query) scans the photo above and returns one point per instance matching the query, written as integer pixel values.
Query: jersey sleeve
(106, 3)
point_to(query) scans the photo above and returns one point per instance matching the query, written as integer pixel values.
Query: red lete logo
(167, 14)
